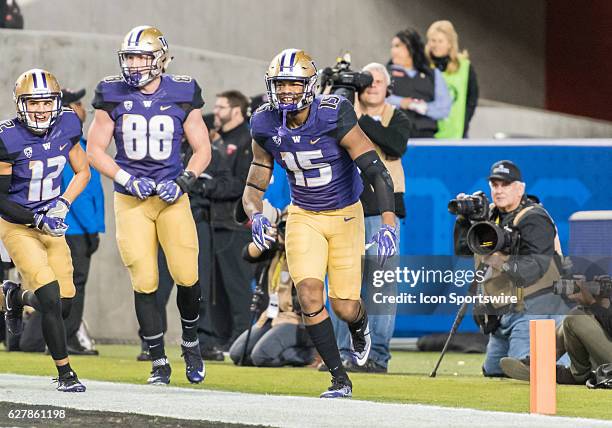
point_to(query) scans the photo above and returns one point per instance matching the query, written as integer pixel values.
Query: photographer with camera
(279, 337)
(586, 332)
(516, 242)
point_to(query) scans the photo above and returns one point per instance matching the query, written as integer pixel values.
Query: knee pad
(49, 298)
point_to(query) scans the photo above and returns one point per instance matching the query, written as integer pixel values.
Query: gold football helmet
(148, 41)
(37, 84)
(292, 64)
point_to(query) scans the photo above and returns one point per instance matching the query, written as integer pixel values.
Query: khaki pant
(586, 342)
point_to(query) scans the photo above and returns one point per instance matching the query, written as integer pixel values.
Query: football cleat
(341, 387)
(69, 382)
(361, 342)
(194, 365)
(13, 312)
(160, 375)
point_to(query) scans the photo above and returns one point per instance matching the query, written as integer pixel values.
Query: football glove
(57, 209)
(141, 187)
(169, 191)
(384, 240)
(260, 228)
(53, 226)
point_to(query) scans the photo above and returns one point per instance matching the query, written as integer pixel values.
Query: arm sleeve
(347, 119)
(536, 251)
(10, 209)
(440, 107)
(472, 99)
(265, 255)
(391, 139)
(378, 176)
(394, 100)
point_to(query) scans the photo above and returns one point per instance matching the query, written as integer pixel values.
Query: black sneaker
(565, 377)
(212, 354)
(194, 365)
(13, 312)
(160, 375)
(370, 366)
(361, 342)
(69, 382)
(341, 387)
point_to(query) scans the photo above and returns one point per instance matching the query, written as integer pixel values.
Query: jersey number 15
(299, 162)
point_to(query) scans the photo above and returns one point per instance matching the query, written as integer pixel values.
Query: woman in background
(443, 51)
(418, 90)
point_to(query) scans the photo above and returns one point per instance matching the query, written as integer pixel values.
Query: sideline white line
(273, 410)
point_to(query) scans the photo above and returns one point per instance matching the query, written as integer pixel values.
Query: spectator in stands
(227, 285)
(458, 72)
(418, 90)
(279, 337)
(389, 129)
(85, 221)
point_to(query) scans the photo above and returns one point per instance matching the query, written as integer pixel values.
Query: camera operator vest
(422, 87)
(498, 282)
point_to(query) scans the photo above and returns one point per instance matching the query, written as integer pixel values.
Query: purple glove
(260, 227)
(141, 187)
(57, 209)
(169, 191)
(384, 240)
(53, 226)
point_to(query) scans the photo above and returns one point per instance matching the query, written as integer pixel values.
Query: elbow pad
(378, 176)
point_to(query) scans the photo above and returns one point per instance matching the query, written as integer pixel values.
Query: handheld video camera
(343, 80)
(600, 286)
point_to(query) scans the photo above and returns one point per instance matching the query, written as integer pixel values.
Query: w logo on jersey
(47, 146)
(296, 138)
(146, 103)
(127, 105)
(28, 152)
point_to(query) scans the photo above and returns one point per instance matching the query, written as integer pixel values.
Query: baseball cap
(70, 96)
(505, 170)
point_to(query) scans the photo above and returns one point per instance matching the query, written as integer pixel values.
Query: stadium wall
(506, 39)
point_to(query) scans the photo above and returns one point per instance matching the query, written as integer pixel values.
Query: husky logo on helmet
(37, 84)
(296, 65)
(147, 41)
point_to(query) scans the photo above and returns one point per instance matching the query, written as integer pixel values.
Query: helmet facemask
(28, 117)
(306, 97)
(139, 76)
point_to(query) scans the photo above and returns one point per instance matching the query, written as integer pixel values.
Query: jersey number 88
(153, 137)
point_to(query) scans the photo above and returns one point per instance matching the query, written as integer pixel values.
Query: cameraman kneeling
(587, 334)
(524, 267)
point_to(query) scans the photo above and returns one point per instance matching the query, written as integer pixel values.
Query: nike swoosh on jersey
(315, 141)
(63, 147)
(348, 218)
(164, 108)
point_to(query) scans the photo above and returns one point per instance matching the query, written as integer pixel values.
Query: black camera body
(474, 207)
(343, 80)
(600, 286)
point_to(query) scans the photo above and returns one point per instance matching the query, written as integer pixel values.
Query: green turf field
(459, 382)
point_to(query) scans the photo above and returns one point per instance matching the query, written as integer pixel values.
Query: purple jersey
(38, 160)
(149, 127)
(321, 173)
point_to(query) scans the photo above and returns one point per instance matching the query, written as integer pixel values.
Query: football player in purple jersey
(317, 140)
(148, 113)
(34, 148)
